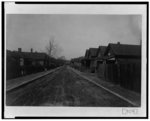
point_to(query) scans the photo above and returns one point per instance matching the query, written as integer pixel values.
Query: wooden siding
(126, 75)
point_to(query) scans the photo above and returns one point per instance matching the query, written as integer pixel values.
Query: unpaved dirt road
(63, 88)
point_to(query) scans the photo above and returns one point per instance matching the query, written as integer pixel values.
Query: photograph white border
(118, 9)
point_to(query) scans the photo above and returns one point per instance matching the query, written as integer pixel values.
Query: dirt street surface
(63, 88)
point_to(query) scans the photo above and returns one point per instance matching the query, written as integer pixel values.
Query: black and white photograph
(75, 58)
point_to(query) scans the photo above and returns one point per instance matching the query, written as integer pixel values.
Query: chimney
(19, 49)
(31, 50)
(118, 43)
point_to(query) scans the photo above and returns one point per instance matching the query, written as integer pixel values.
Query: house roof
(86, 53)
(93, 51)
(101, 49)
(124, 49)
(29, 55)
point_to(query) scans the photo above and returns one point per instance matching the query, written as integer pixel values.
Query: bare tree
(52, 48)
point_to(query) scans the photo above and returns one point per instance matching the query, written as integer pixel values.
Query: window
(21, 61)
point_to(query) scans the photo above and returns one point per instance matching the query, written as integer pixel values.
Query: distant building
(86, 61)
(90, 57)
(22, 63)
(100, 52)
(100, 60)
(77, 62)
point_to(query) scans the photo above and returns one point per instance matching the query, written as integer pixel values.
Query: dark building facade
(116, 63)
(90, 59)
(100, 60)
(122, 65)
(22, 63)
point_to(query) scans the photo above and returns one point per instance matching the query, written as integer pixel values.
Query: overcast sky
(73, 33)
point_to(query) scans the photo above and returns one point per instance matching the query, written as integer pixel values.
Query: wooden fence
(126, 75)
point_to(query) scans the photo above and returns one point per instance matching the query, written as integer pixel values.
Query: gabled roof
(93, 51)
(124, 49)
(101, 49)
(86, 53)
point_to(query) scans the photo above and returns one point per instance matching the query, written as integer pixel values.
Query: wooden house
(122, 53)
(86, 61)
(90, 57)
(100, 60)
(123, 65)
(77, 62)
